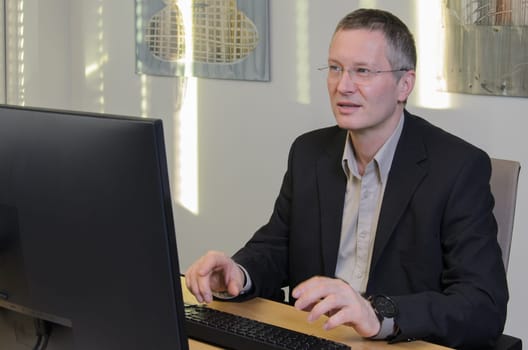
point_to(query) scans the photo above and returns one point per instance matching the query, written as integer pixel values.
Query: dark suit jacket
(435, 252)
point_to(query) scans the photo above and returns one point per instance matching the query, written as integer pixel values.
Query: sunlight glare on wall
(21, 61)
(368, 3)
(187, 133)
(144, 88)
(183, 146)
(144, 96)
(94, 66)
(15, 53)
(430, 46)
(101, 55)
(186, 8)
(302, 55)
(187, 137)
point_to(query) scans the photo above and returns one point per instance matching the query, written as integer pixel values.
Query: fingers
(192, 281)
(322, 295)
(312, 291)
(206, 275)
(213, 272)
(236, 282)
(338, 300)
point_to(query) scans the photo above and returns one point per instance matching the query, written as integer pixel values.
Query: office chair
(504, 180)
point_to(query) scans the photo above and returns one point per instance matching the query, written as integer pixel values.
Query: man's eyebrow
(354, 64)
(331, 60)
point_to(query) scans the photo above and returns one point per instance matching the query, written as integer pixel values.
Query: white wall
(244, 129)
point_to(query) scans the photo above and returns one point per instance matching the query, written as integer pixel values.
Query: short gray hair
(401, 47)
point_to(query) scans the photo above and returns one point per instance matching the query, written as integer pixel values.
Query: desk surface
(288, 317)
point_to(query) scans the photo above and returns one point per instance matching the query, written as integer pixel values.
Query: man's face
(365, 104)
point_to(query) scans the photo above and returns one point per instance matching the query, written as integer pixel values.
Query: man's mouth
(347, 106)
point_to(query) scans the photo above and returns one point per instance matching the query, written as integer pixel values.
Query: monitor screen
(87, 240)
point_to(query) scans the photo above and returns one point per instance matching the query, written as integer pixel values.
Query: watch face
(385, 306)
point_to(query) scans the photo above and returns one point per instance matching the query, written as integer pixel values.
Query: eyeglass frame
(332, 68)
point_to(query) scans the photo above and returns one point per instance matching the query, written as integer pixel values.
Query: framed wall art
(486, 49)
(222, 39)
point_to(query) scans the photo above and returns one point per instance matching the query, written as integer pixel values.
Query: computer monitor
(87, 240)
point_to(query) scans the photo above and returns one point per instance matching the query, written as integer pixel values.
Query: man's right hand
(214, 272)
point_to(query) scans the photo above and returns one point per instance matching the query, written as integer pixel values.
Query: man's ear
(406, 85)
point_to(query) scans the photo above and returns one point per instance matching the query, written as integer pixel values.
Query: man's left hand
(339, 301)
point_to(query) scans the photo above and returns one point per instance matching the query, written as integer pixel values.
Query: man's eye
(362, 71)
(335, 69)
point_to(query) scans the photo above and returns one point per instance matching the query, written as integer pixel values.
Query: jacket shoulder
(321, 138)
(438, 140)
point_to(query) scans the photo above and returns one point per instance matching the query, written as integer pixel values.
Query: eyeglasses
(360, 75)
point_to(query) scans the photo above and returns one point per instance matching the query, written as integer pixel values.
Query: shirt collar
(382, 158)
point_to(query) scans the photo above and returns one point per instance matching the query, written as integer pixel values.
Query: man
(384, 222)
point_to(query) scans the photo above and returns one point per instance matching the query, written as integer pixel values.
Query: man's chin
(348, 122)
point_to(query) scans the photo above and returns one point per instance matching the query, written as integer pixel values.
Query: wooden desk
(288, 317)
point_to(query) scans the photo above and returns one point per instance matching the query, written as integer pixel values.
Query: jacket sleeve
(265, 255)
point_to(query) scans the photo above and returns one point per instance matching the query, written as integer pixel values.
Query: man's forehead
(357, 44)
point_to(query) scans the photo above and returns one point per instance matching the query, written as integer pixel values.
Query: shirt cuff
(387, 330)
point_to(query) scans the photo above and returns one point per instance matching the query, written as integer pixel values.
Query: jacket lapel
(407, 171)
(331, 182)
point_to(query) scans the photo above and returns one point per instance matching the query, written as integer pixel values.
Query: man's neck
(367, 143)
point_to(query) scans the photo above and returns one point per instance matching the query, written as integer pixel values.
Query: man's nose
(346, 83)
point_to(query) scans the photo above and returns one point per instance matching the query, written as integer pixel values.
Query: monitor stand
(17, 332)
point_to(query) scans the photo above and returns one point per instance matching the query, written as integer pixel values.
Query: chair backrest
(504, 180)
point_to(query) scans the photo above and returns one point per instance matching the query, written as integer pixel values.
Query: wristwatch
(386, 310)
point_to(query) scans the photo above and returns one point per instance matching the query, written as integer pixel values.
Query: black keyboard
(240, 333)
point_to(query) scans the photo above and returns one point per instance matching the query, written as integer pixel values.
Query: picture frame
(218, 39)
